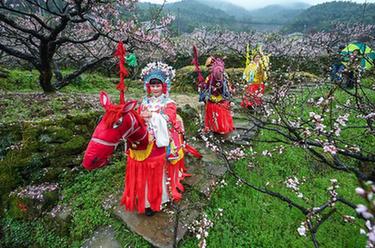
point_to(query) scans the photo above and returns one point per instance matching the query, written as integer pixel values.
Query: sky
(261, 3)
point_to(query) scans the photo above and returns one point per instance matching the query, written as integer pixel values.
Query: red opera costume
(218, 115)
(154, 138)
(154, 174)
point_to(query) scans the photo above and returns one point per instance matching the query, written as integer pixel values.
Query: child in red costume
(153, 175)
(218, 116)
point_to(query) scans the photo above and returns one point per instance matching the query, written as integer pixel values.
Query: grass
(19, 80)
(253, 219)
(84, 193)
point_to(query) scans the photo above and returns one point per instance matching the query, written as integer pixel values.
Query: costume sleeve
(170, 113)
(160, 126)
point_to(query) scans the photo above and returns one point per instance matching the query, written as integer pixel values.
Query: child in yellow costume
(254, 76)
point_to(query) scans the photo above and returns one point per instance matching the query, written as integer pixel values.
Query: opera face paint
(156, 89)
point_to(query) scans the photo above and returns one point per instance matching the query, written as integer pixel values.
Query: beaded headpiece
(158, 70)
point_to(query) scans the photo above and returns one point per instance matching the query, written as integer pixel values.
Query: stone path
(104, 237)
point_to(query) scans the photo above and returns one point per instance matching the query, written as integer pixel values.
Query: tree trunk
(45, 69)
(45, 78)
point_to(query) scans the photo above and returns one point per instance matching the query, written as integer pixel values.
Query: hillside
(191, 14)
(277, 14)
(324, 16)
(236, 11)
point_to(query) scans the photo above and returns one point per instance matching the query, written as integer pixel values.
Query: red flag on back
(120, 53)
(196, 63)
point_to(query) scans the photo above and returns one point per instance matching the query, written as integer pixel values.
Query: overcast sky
(261, 3)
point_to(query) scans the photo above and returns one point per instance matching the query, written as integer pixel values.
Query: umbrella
(368, 55)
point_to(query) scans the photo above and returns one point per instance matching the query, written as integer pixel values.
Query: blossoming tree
(82, 33)
(332, 124)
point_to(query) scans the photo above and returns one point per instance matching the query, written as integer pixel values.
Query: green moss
(9, 179)
(10, 135)
(17, 159)
(66, 161)
(18, 208)
(83, 118)
(54, 134)
(20, 80)
(76, 145)
(49, 174)
(190, 118)
(28, 208)
(19, 233)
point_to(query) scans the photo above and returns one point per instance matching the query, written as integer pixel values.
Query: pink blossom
(330, 148)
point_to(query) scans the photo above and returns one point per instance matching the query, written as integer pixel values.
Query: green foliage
(324, 16)
(254, 218)
(20, 80)
(192, 14)
(84, 194)
(19, 233)
(186, 78)
(277, 14)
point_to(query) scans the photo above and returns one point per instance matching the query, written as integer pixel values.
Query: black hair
(155, 81)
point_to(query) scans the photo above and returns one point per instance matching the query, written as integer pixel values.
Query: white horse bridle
(124, 137)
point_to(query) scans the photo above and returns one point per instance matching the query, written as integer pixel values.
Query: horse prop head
(120, 121)
(217, 70)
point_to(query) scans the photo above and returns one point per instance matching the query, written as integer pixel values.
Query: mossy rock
(54, 134)
(48, 174)
(85, 130)
(30, 136)
(190, 118)
(17, 159)
(60, 219)
(83, 119)
(9, 179)
(29, 207)
(74, 146)
(10, 135)
(66, 161)
(41, 144)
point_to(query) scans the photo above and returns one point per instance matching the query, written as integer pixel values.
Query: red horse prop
(119, 122)
(123, 122)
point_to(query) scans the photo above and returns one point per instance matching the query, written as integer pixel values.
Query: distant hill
(323, 16)
(191, 14)
(278, 14)
(236, 11)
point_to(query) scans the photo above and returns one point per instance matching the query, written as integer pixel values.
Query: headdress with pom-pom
(158, 70)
